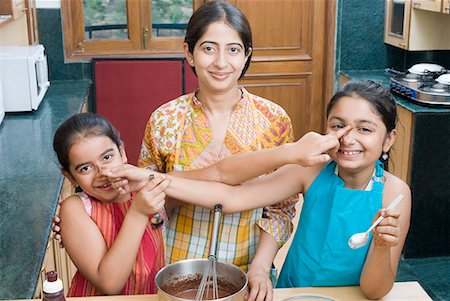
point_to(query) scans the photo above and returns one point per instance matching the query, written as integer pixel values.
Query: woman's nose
(220, 60)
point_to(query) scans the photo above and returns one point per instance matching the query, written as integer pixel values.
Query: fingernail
(151, 177)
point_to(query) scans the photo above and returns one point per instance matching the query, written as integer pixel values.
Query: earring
(385, 156)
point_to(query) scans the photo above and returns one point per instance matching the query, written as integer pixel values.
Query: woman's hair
(77, 127)
(380, 98)
(214, 11)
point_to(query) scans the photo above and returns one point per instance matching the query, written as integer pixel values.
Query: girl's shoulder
(393, 186)
(74, 204)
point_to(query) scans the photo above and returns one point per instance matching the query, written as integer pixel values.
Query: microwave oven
(2, 109)
(24, 77)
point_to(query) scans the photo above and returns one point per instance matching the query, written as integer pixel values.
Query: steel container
(171, 278)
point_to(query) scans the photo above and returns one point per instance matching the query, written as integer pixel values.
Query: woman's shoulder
(172, 107)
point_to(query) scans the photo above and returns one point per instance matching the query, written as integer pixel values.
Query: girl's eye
(337, 126)
(85, 169)
(107, 157)
(365, 130)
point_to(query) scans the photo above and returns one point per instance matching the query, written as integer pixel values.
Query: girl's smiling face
(367, 140)
(87, 157)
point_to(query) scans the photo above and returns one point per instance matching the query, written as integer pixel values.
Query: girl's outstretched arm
(264, 191)
(380, 268)
(310, 150)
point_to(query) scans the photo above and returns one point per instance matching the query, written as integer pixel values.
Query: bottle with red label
(53, 287)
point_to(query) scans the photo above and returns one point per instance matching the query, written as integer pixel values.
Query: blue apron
(319, 254)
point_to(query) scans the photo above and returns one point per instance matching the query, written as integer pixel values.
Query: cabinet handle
(416, 4)
(402, 44)
(145, 36)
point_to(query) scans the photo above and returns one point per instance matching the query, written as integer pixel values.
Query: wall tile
(50, 35)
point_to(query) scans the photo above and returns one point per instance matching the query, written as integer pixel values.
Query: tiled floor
(433, 274)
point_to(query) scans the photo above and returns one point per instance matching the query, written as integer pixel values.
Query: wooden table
(402, 291)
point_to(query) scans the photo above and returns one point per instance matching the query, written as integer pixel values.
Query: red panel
(190, 80)
(128, 91)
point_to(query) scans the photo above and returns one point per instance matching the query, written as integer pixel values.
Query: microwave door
(41, 80)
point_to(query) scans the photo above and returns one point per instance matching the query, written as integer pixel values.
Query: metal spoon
(156, 220)
(359, 240)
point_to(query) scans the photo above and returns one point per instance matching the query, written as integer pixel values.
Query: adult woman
(218, 120)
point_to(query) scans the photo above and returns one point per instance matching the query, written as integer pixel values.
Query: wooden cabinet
(15, 8)
(430, 5)
(446, 7)
(399, 155)
(291, 59)
(417, 25)
(397, 20)
(56, 258)
(440, 6)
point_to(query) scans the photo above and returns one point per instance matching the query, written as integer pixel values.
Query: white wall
(48, 3)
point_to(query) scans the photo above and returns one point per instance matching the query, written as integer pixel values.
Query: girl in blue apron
(341, 197)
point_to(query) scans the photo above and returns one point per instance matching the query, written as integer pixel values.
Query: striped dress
(150, 258)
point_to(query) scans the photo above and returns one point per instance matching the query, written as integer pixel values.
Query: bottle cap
(52, 276)
(52, 284)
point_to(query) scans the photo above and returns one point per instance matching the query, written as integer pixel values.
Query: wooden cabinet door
(400, 153)
(396, 24)
(446, 7)
(289, 63)
(430, 5)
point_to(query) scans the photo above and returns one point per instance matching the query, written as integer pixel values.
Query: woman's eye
(234, 50)
(208, 49)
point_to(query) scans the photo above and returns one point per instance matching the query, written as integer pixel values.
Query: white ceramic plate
(444, 79)
(420, 69)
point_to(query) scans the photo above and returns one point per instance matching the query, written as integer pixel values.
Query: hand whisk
(209, 289)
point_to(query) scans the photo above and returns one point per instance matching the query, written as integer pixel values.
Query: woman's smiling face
(364, 144)
(218, 57)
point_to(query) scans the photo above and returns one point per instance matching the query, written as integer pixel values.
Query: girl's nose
(100, 171)
(348, 138)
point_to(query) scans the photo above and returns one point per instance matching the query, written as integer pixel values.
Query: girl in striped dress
(108, 235)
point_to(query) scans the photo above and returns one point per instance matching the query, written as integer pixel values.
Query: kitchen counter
(402, 291)
(382, 77)
(30, 182)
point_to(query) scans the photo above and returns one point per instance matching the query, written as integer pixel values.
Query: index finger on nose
(342, 132)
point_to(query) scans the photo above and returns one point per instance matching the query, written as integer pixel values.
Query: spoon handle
(393, 204)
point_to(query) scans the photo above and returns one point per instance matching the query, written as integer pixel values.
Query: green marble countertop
(383, 77)
(30, 182)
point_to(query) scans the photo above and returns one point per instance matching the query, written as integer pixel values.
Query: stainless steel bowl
(182, 275)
